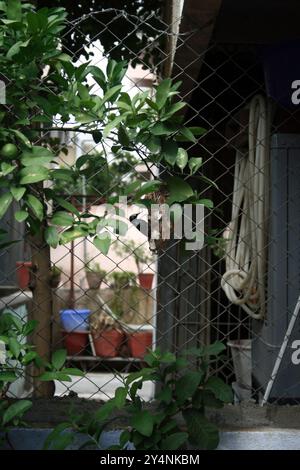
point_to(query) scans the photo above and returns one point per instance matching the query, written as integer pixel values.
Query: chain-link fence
(241, 287)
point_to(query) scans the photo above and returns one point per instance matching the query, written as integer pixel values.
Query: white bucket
(242, 361)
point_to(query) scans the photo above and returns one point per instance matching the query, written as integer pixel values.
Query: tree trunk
(41, 308)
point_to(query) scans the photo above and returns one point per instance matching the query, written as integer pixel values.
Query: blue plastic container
(75, 320)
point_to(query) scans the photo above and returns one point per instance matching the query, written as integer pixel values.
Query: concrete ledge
(48, 413)
(263, 439)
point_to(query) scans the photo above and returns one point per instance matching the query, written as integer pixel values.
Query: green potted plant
(107, 334)
(94, 275)
(141, 258)
(55, 277)
(123, 279)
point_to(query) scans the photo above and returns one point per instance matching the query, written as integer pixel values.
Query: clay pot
(94, 279)
(107, 343)
(146, 280)
(23, 273)
(139, 343)
(75, 343)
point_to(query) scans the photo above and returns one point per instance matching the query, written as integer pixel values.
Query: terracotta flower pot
(146, 280)
(23, 273)
(75, 343)
(139, 343)
(94, 279)
(107, 342)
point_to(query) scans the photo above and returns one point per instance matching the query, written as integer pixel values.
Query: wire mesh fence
(240, 288)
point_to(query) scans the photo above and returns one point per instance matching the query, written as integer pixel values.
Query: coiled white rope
(245, 250)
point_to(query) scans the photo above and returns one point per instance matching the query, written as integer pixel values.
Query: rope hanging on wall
(245, 250)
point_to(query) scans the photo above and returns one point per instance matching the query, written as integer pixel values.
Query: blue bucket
(74, 320)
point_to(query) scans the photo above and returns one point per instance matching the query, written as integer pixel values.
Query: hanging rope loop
(245, 252)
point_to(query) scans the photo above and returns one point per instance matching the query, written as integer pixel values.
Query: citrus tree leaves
(102, 242)
(179, 190)
(144, 125)
(143, 422)
(202, 433)
(16, 410)
(5, 201)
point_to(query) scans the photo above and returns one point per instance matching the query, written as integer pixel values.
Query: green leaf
(63, 174)
(36, 206)
(206, 203)
(162, 129)
(123, 137)
(98, 75)
(202, 433)
(152, 142)
(85, 118)
(29, 327)
(186, 135)
(14, 10)
(179, 189)
(49, 376)
(36, 156)
(182, 158)
(20, 216)
(33, 174)
(205, 398)
(16, 410)
(68, 235)
(18, 193)
(52, 236)
(187, 385)
(124, 438)
(120, 397)
(55, 438)
(73, 371)
(112, 125)
(14, 347)
(195, 164)
(173, 109)
(111, 94)
(68, 206)
(162, 92)
(97, 136)
(6, 168)
(174, 441)
(102, 242)
(5, 201)
(22, 137)
(197, 130)
(59, 358)
(104, 411)
(169, 151)
(7, 376)
(165, 395)
(147, 188)
(29, 357)
(213, 349)
(37, 152)
(15, 48)
(143, 422)
(220, 389)
(63, 219)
